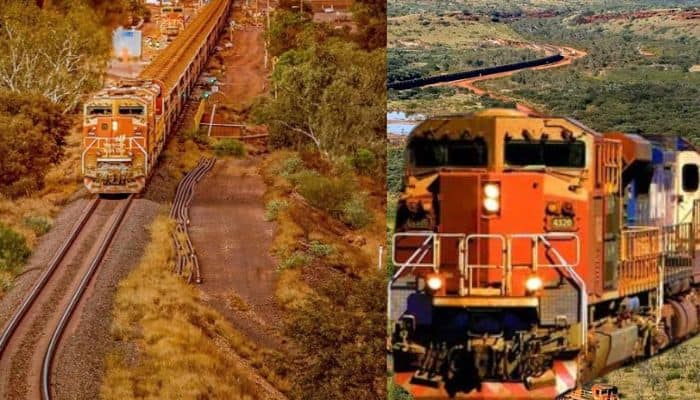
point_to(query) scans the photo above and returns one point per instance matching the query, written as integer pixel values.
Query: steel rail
(80, 290)
(186, 254)
(46, 275)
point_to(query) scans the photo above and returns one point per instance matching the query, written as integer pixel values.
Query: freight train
(125, 125)
(456, 76)
(534, 254)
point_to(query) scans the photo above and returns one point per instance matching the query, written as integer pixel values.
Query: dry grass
(185, 350)
(672, 375)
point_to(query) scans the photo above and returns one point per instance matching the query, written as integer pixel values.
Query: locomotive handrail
(467, 268)
(545, 238)
(131, 140)
(430, 236)
(583, 292)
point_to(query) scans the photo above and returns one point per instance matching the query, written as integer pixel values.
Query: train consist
(125, 125)
(534, 254)
(455, 76)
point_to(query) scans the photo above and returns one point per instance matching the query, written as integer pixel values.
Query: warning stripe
(566, 373)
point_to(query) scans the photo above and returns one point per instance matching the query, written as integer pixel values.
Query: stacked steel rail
(187, 261)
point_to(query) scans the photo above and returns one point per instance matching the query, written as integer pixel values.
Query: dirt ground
(232, 240)
(245, 62)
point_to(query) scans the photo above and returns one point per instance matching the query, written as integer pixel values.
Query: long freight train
(125, 125)
(534, 254)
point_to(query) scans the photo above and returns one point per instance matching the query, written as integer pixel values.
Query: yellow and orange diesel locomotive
(125, 125)
(534, 254)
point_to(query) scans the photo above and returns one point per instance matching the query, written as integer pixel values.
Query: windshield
(428, 153)
(548, 153)
(99, 110)
(130, 110)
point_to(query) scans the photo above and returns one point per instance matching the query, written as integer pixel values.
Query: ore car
(533, 254)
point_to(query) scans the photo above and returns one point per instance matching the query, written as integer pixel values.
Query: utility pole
(267, 42)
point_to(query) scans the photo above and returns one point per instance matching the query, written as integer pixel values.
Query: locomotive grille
(559, 302)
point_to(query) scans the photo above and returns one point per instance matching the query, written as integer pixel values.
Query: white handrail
(583, 292)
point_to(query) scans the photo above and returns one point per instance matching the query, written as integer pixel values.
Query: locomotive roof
(455, 126)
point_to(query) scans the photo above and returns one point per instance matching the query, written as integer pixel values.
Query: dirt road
(570, 54)
(245, 75)
(228, 229)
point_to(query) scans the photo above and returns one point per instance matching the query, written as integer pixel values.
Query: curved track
(569, 55)
(31, 338)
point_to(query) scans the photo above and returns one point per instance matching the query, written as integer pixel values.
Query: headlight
(491, 205)
(492, 190)
(115, 125)
(533, 283)
(434, 283)
(492, 194)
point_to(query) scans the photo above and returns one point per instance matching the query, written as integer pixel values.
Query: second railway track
(32, 336)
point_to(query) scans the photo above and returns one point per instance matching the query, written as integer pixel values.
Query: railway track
(187, 261)
(31, 338)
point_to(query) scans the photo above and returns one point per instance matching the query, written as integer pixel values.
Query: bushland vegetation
(49, 58)
(616, 86)
(328, 226)
(326, 192)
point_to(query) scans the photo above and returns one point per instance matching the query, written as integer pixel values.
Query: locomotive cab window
(545, 153)
(99, 110)
(691, 177)
(428, 153)
(130, 110)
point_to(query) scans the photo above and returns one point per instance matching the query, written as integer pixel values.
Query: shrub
(273, 209)
(355, 212)
(291, 166)
(229, 147)
(325, 192)
(13, 249)
(196, 135)
(29, 146)
(298, 259)
(673, 375)
(341, 327)
(364, 161)
(40, 225)
(320, 249)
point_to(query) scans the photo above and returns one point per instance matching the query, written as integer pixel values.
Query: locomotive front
(492, 239)
(116, 126)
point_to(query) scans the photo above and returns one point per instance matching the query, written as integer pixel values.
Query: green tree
(59, 55)
(329, 94)
(31, 140)
(370, 19)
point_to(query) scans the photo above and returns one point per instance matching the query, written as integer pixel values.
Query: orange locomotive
(125, 125)
(529, 255)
